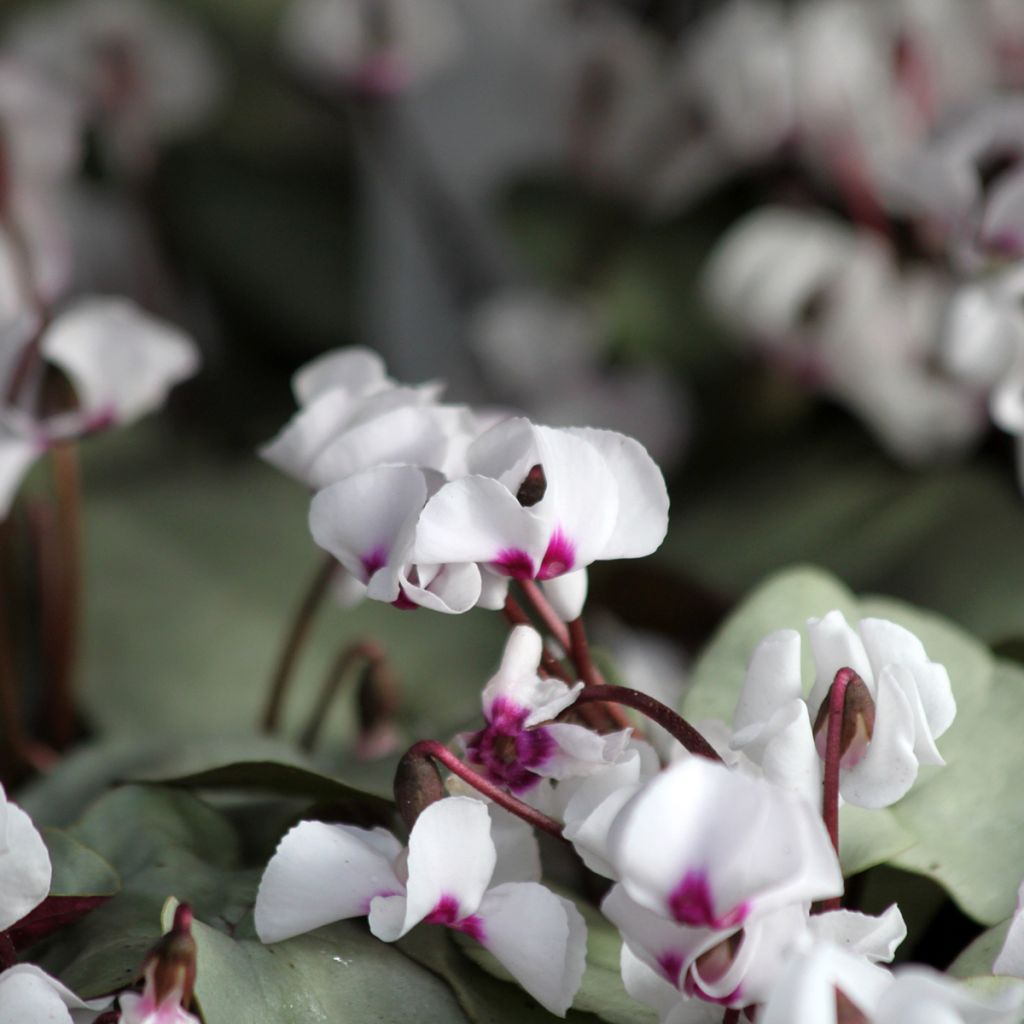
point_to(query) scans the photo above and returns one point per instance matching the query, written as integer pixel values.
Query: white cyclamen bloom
(352, 416)
(148, 1009)
(322, 873)
(24, 864)
(368, 523)
(908, 704)
(825, 984)
(520, 745)
(541, 502)
(120, 362)
(831, 305)
(142, 71)
(1010, 960)
(30, 996)
(379, 47)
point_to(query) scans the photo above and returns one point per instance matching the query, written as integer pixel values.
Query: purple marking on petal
(374, 560)
(509, 753)
(559, 558)
(447, 913)
(404, 602)
(691, 903)
(514, 562)
(671, 965)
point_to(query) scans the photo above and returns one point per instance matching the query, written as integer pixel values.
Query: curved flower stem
(62, 638)
(731, 1016)
(296, 637)
(657, 712)
(833, 755)
(552, 623)
(590, 673)
(365, 650)
(439, 752)
(515, 616)
(8, 956)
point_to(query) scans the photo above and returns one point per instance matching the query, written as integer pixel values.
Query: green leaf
(77, 870)
(602, 992)
(978, 957)
(335, 975)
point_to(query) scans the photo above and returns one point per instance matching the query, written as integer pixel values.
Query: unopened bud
(377, 700)
(533, 488)
(417, 785)
(858, 723)
(171, 963)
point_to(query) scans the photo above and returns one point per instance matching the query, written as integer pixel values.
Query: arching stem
(657, 712)
(365, 650)
(547, 615)
(297, 635)
(439, 752)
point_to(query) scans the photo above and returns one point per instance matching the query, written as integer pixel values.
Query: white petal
(451, 859)
(876, 938)
(476, 519)
(540, 938)
(493, 591)
(642, 514)
(453, 588)
(360, 520)
(835, 646)
(889, 768)
(16, 458)
(1011, 957)
(24, 866)
(30, 996)
(646, 986)
(567, 594)
(790, 758)
(121, 361)
(582, 751)
(772, 680)
(358, 371)
(322, 873)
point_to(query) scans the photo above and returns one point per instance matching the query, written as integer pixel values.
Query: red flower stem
(657, 712)
(833, 754)
(8, 956)
(515, 616)
(591, 674)
(62, 637)
(439, 752)
(731, 1016)
(365, 650)
(552, 623)
(296, 637)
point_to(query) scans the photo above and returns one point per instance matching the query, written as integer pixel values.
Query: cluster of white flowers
(714, 866)
(122, 66)
(435, 505)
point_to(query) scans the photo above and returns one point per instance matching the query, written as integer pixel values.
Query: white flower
(516, 749)
(143, 72)
(322, 873)
(24, 864)
(828, 985)
(1011, 956)
(30, 996)
(378, 47)
(121, 364)
(910, 704)
(541, 502)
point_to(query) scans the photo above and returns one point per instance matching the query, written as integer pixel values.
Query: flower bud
(417, 785)
(858, 723)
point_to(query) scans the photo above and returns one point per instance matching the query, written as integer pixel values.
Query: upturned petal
(24, 864)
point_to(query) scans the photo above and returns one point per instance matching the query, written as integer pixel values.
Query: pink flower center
(691, 903)
(447, 913)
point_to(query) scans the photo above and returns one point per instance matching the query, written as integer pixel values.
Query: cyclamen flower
(906, 704)
(322, 873)
(28, 995)
(516, 749)
(376, 47)
(825, 984)
(120, 362)
(704, 846)
(541, 502)
(1010, 960)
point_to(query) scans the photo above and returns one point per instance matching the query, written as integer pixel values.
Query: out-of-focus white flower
(544, 353)
(830, 304)
(541, 502)
(24, 864)
(516, 749)
(121, 364)
(824, 984)
(909, 704)
(1010, 960)
(322, 873)
(141, 71)
(28, 995)
(378, 47)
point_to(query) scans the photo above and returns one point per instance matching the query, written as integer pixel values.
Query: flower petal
(356, 370)
(451, 860)
(24, 865)
(772, 679)
(16, 458)
(567, 594)
(835, 646)
(28, 995)
(540, 939)
(322, 873)
(876, 938)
